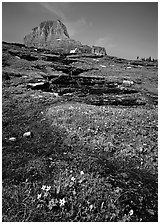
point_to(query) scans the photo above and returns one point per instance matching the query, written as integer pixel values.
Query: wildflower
(43, 187)
(72, 179)
(62, 202)
(131, 212)
(39, 196)
(48, 188)
(81, 172)
(46, 194)
(52, 203)
(91, 207)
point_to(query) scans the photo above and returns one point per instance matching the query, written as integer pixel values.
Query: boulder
(27, 134)
(12, 139)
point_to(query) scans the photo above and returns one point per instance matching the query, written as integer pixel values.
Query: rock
(128, 83)
(27, 134)
(150, 211)
(95, 59)
(103, 66)
(56, 94)
(99, 51)
(12, 139)
(51, 35)
(39, 85)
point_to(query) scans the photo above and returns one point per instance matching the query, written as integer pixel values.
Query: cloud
(75, 27)
(55, 8)
(61, 10)
(105, 41)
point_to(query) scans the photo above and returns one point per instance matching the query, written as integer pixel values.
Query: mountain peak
(46, 33)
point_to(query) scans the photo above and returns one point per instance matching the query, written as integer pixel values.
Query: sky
(125, 29)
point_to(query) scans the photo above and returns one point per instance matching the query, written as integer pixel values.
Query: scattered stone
(39, 85)
(103, 66)
(128, 83)
(150, 211)
(56, 94)
(141, 149)
(12, 139)
(27, 134)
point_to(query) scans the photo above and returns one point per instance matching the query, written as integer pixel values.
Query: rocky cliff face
(50, 34)
(53, 35)
(99, 51)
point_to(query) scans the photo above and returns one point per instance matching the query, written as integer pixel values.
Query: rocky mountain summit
(50, 35)
(53, 35)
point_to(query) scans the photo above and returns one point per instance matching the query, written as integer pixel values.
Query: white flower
(46, 194)
(48, 188)
(72, 179)
(131, 212)
(62, 202)
(43, 187)
(39, 196)
(81, 172)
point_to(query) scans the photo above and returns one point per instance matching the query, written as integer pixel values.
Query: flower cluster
(45, 197)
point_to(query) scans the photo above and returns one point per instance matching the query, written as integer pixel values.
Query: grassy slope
(116, 148)
(101, 162)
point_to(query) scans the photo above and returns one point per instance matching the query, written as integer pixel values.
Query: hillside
(79, 137)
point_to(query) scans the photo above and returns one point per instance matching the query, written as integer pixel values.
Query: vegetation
(78, 154)
(83, 162)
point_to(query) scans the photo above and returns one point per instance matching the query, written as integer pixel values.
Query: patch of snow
(73, 51)
(36, 84)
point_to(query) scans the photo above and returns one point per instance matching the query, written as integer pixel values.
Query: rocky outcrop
(51, 35)
(99, 51)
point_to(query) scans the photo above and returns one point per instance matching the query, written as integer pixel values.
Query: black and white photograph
(79, 111)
